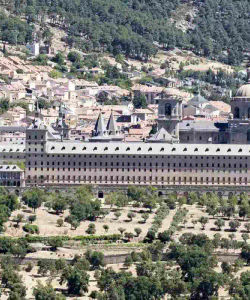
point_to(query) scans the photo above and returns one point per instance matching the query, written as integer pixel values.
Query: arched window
(248, 135)
(236, 113)
(168, 109)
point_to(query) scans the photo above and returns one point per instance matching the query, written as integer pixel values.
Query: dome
(244, 91)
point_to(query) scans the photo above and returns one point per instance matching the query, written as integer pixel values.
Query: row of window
(70, 156)
(134, 179)
(150, 149)
(136, 170)
(9, 157)
(128, 164)
(10, 175)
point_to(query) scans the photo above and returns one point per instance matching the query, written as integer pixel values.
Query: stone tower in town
(239, 124)
(170, 114)
(60, 126)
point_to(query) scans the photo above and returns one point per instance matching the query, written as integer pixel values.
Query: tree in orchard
(46, 292)
(203, 220)
(32, 218)
(234, 224)
(145, 216)
(122, 230)
(130, 215)
(60, 222)
(18, 219)
(77, 280)
(55, 242)
(106, 227)
(219, 223)
(59, 205)
(137, 231)
(245, 237)
(95, 258)
(73, 222)
(33, 198)
(247, 226)
(91, 229)
(117, 214)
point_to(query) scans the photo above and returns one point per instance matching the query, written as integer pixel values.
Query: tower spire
(111, 126)
(99, 125)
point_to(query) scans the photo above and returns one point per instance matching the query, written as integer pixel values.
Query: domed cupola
(244, 90)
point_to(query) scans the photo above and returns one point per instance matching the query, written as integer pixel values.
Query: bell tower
(61, 125)
(239, 123)
(170, 114)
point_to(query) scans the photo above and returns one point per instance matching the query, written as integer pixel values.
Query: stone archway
(100, 194)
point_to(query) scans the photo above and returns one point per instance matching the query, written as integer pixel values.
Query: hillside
(218, 29)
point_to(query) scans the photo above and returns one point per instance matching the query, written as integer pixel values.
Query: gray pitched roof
(10, 168)
(99, 125)
(198, 99)
(140, 148)
(200, 125)
(9, 147)
(161, 135)
(111, 125)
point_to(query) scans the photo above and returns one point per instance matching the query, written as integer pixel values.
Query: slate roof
(8, 147)
(140, 148)
(10, 168)
(99, 125)
(200, 125)
(161, 135)
(196, 100)
(111, 125)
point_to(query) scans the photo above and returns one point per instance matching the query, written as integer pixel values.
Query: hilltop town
(129, 88)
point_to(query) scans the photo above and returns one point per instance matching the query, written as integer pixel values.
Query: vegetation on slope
(134, 27)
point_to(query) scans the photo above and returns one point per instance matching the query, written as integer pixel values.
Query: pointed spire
(99, 125)
(111, 126)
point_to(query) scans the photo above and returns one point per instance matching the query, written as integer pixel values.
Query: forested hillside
(137, 27)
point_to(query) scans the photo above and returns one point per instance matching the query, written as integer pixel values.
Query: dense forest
(137, 27)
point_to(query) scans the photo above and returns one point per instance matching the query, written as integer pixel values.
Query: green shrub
(31, 228)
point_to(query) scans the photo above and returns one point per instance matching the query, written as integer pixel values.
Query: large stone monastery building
(53, 160)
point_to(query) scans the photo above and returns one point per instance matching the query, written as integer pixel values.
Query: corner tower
(36, 136)
(36, 140)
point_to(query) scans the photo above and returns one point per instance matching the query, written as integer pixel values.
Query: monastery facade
(52, 159)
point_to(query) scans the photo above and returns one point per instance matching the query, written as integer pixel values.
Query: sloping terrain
(214, 28)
